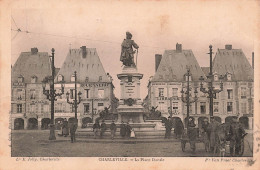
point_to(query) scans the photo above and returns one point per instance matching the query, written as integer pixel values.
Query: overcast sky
(155, 26)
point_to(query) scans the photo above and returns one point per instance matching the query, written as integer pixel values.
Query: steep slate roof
(29, 65)
(205, 70)
(89, 66)
(235, 62)
(174, 64)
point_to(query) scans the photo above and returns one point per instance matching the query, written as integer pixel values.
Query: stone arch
(218, 119)
(85, 121)
(229, 119)
(18, 124)
(244, 121)
(186, 120)
(58, 123)
(32, 123)
(200, 121)
(45, 123)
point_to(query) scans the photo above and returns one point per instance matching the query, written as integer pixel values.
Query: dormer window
(215, 77)
(20, 79)
(33, 79)
(60, 78)
(100, 78)
(72, 78)
(87, 79)
(228, 76)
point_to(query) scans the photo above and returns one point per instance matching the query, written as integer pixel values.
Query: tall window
(175, 92)
(230, 93)
(175, 107)
(32, 94)
(243, 108)
(86, 107)
(101, 93)
(46, 108)
(215, 77)
(203, 107)
(87, 93)
(19, 94)
(229, 107)
(229, 77)
(161, 92)
(130, 78)
(100, 78)
(87, 79)
(19, 108)
(32, 108)
(215, 107)
(243, 92)
(162, 106)
(58, 108)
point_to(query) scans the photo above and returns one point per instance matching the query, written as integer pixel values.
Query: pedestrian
(96, 128)
(73, 129)
(132, 135)
(168, 127)
(65, 128)
(103, 128)
(113, 129)
(122, 129)
(237, 133)
(128, 130)
(178, 128)
(206, 134)
(192, 134)
(212, 129)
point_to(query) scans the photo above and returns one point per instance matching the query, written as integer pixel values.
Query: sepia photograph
(133, 80)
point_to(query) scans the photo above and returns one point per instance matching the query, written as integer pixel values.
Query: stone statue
(127, 52)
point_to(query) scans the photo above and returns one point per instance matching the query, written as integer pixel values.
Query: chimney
(34, 50)
(178, 48)
(253, 59)
(228, 47)
(158, 58)
(84, 51)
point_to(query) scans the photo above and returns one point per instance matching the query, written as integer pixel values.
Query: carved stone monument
(130, 105)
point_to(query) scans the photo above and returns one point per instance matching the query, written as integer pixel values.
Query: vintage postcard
(132, 84)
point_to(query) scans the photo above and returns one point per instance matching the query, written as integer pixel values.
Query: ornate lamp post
(187, 98)
(211, 89)
(76, 100)
(51, 94)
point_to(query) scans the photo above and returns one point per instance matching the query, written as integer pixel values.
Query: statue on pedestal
(127, 52)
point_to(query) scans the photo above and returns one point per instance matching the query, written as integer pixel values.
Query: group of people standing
(126, 131)
(100, 129)
(176, 124)
(234, 133)
(67, 128)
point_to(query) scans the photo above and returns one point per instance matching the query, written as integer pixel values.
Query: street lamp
(51, 94)
(187, 98)
(211, 89)
(76, 100)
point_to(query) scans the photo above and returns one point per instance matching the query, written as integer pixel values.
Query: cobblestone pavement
(35, 143)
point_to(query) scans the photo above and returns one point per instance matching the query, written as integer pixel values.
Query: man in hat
(192, 133)
(127, 52)
(205, 134)
(103, 128)
(73, 129)
(168, 128)
(113, 129)
(212, 128)
(128, 130)
(237, 133)
(122, 129)
(96, 128)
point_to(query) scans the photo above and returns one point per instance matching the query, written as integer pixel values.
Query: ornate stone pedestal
(130, 107)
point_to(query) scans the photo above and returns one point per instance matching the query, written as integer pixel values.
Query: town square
(129, 90)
